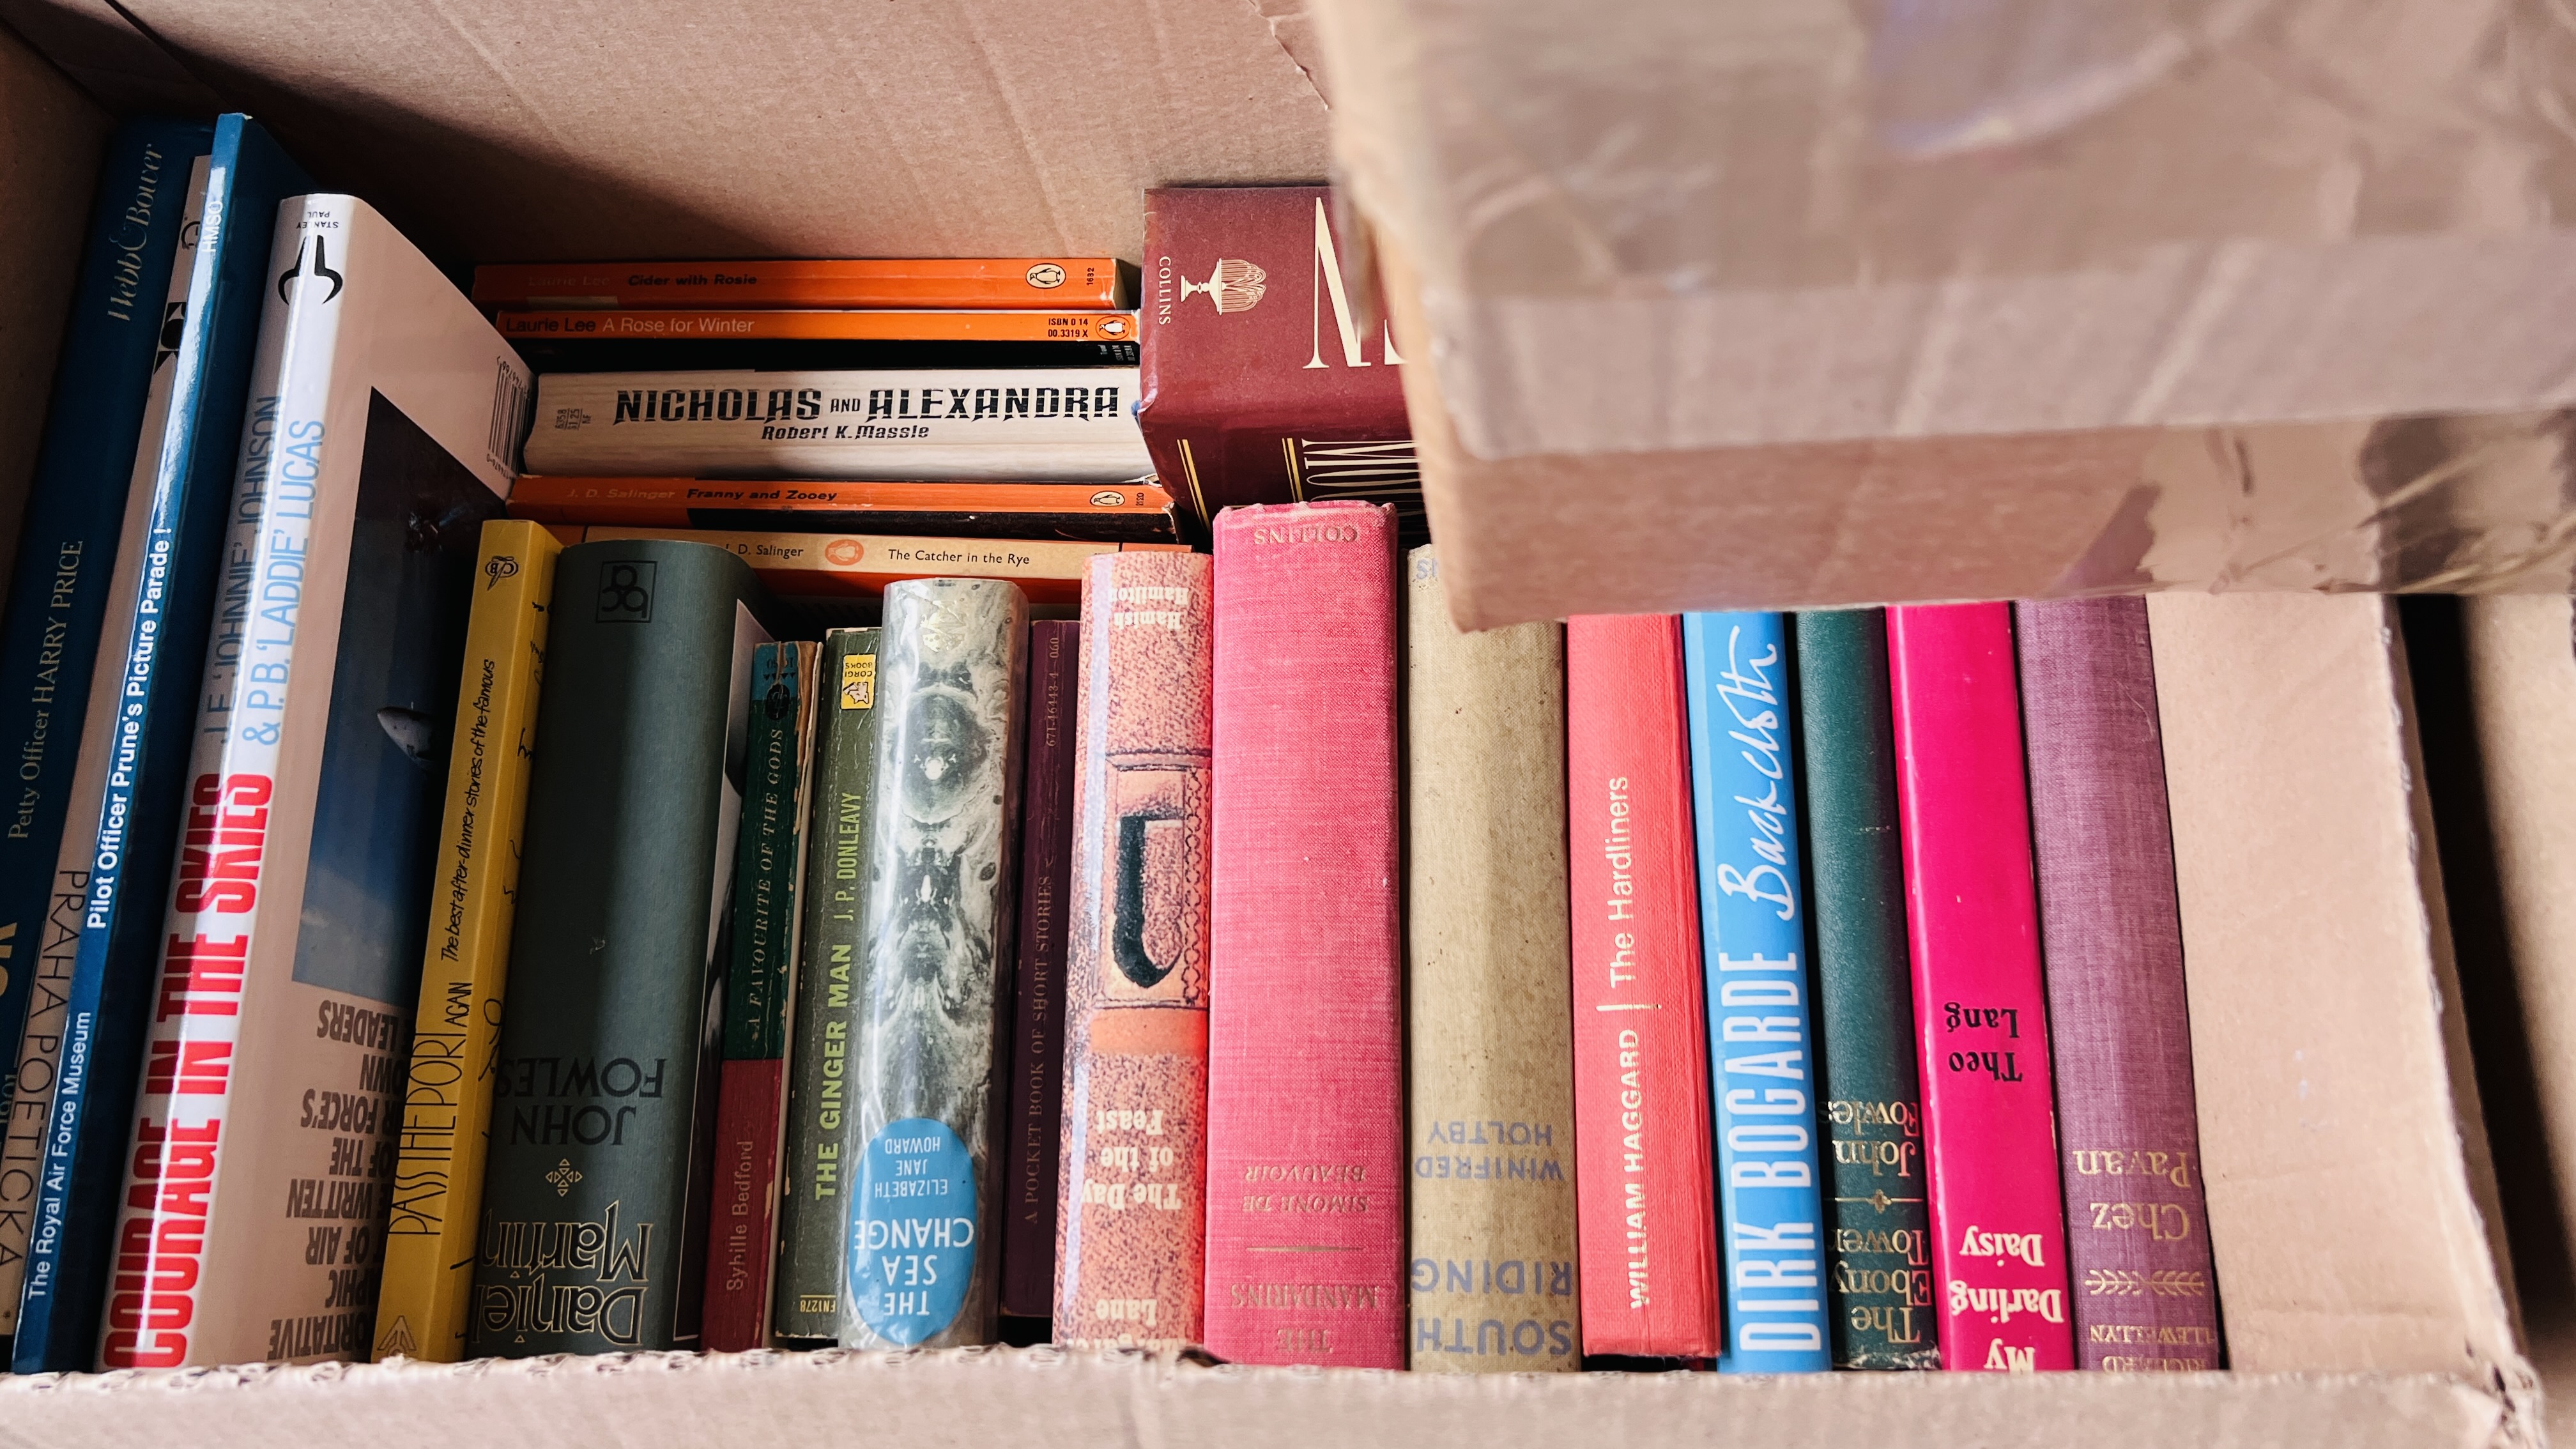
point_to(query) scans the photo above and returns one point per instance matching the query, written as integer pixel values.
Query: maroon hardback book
(1645, 1196)
(1306, 1211)
(1260, 383)
(2128, 1139)
(1129, 1260)
(1035, 1118)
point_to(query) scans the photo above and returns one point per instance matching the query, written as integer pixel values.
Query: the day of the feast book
(264, 1135)
(1072, 424)
(1081, 283)
(1126, 513)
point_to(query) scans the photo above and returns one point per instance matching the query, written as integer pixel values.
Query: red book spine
(1036, 1114)
(744, 1220)
(1989, 1128)
(1645, 1196)
(1306, 1214)
(1129, 1263)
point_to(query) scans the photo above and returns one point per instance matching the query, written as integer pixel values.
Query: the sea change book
(252, 1225)
(1070, 424)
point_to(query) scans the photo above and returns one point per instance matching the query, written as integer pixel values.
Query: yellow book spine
(424, 1306)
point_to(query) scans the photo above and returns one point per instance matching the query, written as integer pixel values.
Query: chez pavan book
(1071, 424)
(595, 1191)
(252, 1225)
(447, 1102)
(79, 1055)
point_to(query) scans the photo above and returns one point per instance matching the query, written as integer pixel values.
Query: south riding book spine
(925, 1120)
(266, 1119)
(1036, 1117)
(128, 844)
(593, 1234)
(1126, 513)
(1131, 1231)
(815, 1180)
(1981, 1015)
(760, 992)
(1074, 283)
(1305, 1241)
(1880, 1256)
(1488, 1004)
(2144, 1295)
(423, 1309)
(1645, 1183)
(1753, 920)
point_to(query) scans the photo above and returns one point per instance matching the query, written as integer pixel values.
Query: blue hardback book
(135, 833)
(1762, 1059)
(75, 506)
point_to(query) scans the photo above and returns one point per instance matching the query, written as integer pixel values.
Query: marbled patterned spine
(919, 1267)
(1131, 1227)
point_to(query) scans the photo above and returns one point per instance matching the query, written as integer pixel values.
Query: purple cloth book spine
(2128, 1137)
(1036, 1113)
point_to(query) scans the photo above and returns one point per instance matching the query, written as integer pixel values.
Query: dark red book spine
(1645, 1196)
(1036, 1116)
(1260, 384)
(744, 1219)
(1306, 1211)
(2128, 1136)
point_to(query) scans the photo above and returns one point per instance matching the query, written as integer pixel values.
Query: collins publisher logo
(626, 591)
(1234, 286)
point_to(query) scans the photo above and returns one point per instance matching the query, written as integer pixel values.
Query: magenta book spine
(2128, 1139)
(1305, 1200)
(1989, 1129)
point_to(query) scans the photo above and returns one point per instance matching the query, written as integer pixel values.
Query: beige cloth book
(1488, 993)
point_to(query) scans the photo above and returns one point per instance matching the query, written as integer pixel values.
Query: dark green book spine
(1881, 1266)
(925, 1124)
(811, 1220)
(593, 1236)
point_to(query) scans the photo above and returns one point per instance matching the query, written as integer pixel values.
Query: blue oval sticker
(912, 1235)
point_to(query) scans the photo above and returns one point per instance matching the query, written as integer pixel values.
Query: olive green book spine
(814, 1190)
(924, 1120)
(1879, 1267)
(593, 1237)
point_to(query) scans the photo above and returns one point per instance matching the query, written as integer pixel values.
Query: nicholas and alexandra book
(253, 1221)
(112, 877)
(1260, 385)
(593, 1236)
(1071, 424)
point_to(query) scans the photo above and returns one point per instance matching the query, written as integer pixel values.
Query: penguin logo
(320, 269)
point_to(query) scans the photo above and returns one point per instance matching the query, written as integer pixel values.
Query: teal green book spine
(593, 1237)
(1879, 1264)
(814, 1190)
(925, 1125)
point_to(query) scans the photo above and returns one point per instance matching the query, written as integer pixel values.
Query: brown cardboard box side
(50, 139)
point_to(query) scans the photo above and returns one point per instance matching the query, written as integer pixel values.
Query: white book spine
(1050, 424)
(40, 1046)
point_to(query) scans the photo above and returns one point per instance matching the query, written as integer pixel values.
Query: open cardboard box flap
(2344, 1156)
(1805, 302)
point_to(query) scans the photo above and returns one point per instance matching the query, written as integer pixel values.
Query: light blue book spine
(134, 832)
(1752, 911)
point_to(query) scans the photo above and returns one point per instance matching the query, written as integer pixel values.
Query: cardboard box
(2358, 1269)
(1801, 302)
